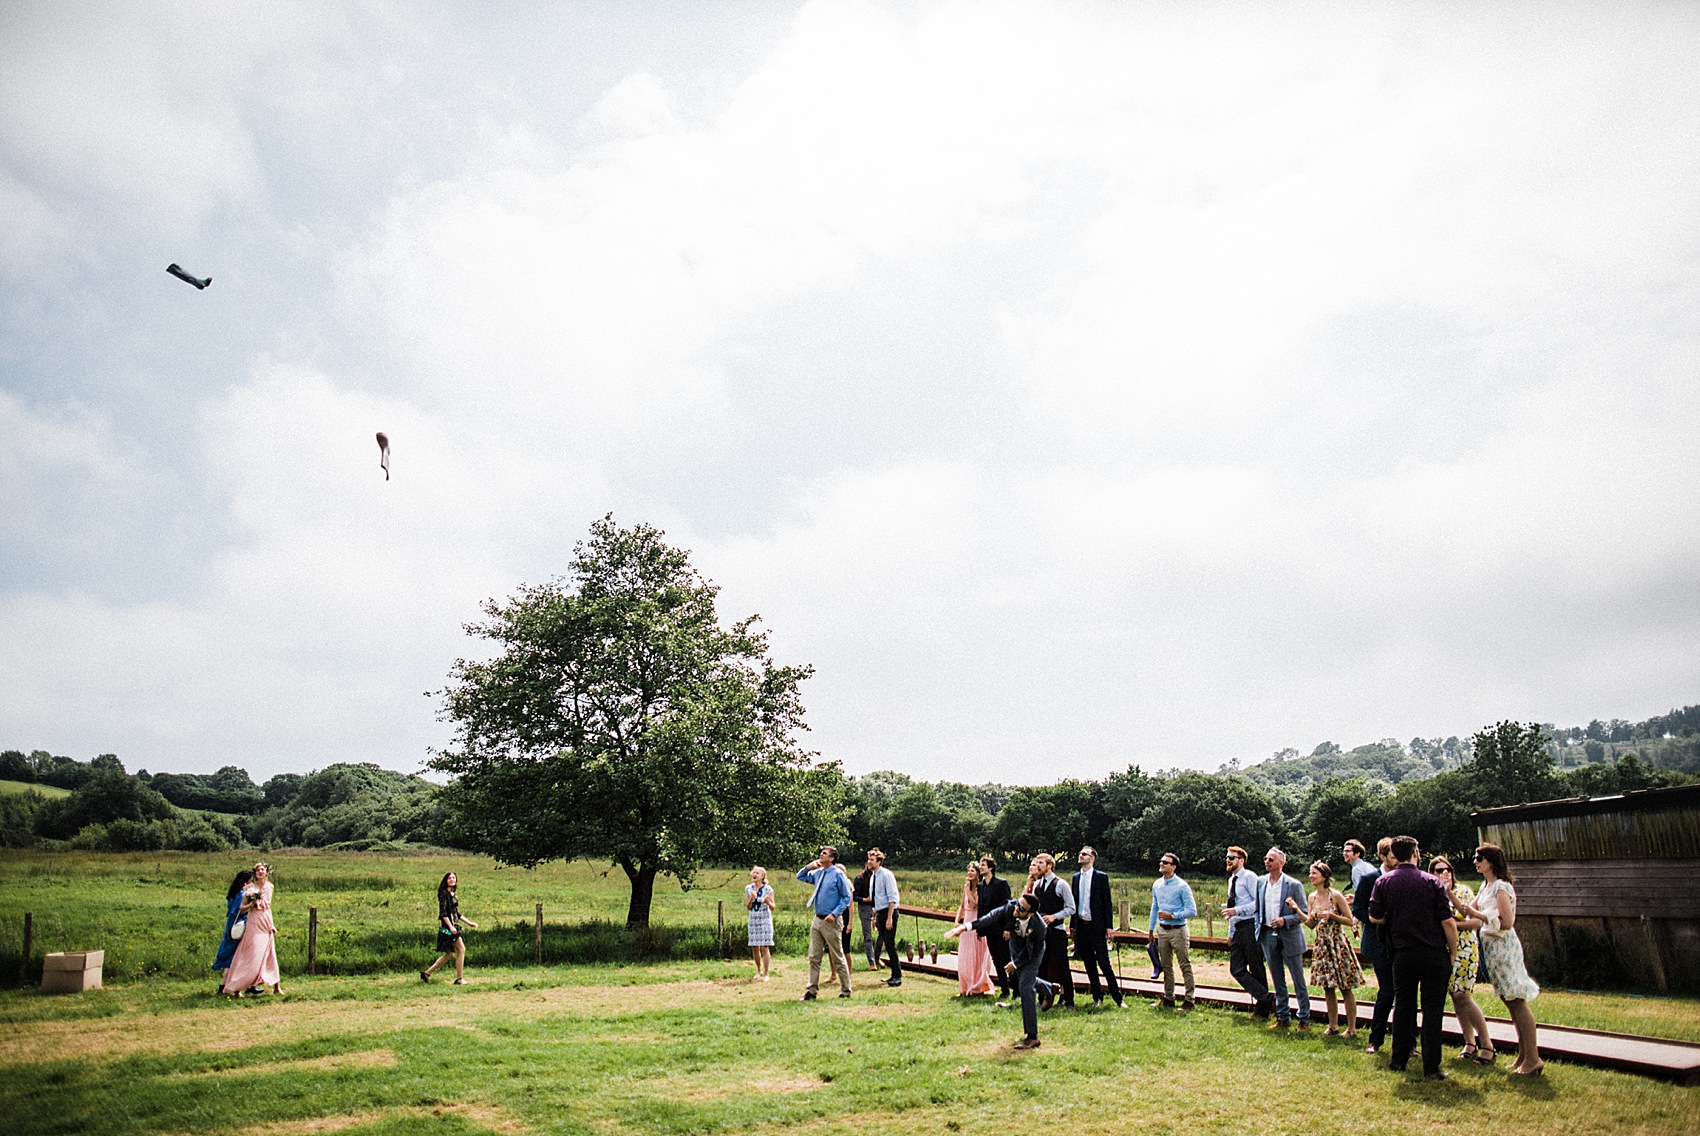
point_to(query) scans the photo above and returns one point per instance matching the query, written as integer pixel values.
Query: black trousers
(999, 946)
(1245, 963)
(1384, 992)
(1056, 968)
(1092, 944)
(1420, 976)
(887, 940)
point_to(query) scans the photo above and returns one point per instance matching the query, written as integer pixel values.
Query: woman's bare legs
(1528, 1049)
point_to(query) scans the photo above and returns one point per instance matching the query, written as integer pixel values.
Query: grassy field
(697, 1047)
(687, 1045)
(159, 915)
(25, 787)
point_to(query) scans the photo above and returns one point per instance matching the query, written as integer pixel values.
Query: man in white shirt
(1090, 927)
(886, 900)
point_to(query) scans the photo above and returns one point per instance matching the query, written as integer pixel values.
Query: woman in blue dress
(232, 907)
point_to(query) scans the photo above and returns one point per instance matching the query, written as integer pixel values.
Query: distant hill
(1665, 741)
(48, 791)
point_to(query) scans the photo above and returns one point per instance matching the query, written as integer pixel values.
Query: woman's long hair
(969, 898)
(443, 888)
(1495, 856)
(240, 882)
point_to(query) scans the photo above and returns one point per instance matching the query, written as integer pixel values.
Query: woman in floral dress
(1333, 962)
(1502, 950)
(758, 901)
(1472, 1023)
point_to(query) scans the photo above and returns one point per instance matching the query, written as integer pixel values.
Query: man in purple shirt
(1412, 909)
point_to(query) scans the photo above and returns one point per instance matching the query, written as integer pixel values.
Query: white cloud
(1320, 375)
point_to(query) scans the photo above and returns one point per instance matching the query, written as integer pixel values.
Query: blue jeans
(1283, 962)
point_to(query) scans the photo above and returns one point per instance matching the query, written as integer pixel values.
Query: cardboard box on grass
(71, 972)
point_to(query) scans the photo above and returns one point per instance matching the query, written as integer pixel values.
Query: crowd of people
(1424, 935)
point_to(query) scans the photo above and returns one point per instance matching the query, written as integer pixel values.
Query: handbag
(237, 928)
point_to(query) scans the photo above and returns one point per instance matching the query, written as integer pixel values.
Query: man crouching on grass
(831, 903)
(1020, 922)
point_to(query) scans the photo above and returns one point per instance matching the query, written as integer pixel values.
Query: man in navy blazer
(1281, 906)
(1090, 926)
(1376, 952)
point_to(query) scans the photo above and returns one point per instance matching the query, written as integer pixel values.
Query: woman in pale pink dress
(255, 964)
(973, 959)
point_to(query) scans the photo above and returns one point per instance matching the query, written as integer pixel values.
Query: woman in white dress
(1502, 951)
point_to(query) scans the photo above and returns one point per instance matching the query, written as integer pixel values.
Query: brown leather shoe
(1027, 1043)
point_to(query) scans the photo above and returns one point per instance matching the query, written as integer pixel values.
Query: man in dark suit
(993, 893)
(1375, 949)
(1090, 927)
(1027, 933)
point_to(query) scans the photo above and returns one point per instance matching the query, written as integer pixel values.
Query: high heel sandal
(1468, 1053)
(1485, 1056)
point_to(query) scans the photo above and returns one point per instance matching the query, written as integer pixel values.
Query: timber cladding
(1606, 891)
(1657, 824)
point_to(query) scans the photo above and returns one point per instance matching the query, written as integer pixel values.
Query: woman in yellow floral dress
(1472, 1023)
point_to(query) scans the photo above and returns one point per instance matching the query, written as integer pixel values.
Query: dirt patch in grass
(366, 1059)
(718, 1084)
(488, 1116)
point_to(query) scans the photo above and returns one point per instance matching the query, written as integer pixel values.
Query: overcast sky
(1071, 385)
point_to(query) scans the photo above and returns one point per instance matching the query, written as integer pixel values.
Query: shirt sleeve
(1189, 909)
(1068, 900)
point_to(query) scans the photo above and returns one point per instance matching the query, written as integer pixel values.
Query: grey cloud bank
(1070, 386)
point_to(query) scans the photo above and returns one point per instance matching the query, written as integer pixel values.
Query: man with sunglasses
(1090, 927)
(1020, 920)
(1171, 906)
(1245, 956)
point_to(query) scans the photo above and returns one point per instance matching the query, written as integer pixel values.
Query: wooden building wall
(1607, 895)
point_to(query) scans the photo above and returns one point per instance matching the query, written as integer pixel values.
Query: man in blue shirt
(1171, 906)
(831, 903)
(1245, 954)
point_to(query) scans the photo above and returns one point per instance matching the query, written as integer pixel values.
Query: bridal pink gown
(973, 958)
(255, 963)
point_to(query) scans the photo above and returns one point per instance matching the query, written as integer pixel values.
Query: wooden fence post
(29, 945)
(312, 938)
(1124, 915)
(720, 919)
(537, 953)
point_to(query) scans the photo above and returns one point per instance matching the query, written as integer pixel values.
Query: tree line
(353, 806)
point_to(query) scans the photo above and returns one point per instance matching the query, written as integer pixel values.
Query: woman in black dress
(449, 923)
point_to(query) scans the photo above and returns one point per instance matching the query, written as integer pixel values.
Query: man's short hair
(829, 850)
(876, 854)
(1356, 845)
(1169, 858)
(1277, 853)
(1384, 846)
(990, 863)
(1089, 848)
(1404, 849)
(1046, 859)
(1236, 850)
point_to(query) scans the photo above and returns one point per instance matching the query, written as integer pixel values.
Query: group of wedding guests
(1423, 933)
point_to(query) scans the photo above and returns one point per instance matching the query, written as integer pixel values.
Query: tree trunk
(643, 892)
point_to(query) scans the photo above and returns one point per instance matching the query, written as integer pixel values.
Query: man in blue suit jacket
(1281, 905)
(1376, 952)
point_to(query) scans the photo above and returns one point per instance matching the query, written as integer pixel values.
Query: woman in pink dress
(255, 963)
(973, 959)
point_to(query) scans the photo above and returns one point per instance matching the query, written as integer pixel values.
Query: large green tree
(619, 719)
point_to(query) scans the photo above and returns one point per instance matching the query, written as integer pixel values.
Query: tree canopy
(620, 720)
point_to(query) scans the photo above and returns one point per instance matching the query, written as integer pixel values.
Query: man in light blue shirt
(886, 900)
(1171, 906)
(1353, 851)
(831, 903)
